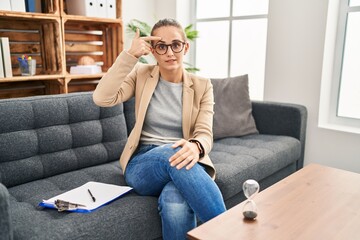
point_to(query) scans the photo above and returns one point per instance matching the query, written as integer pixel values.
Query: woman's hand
(140, 45)
(187, 156)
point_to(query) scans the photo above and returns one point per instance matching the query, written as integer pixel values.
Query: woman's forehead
(169, 33)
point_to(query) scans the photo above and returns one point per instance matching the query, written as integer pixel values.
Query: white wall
(165, 9)
(296, 34)
(143, 10)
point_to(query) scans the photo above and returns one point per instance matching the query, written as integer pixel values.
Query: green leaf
(144, 28)
(143, 60)
(191, 68)
(191, 34)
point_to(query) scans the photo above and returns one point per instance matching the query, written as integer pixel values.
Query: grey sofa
(51, 144)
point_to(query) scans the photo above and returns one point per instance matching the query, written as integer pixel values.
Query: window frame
(230, 19)
(332, 67)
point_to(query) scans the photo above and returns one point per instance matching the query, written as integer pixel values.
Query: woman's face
(171, 60)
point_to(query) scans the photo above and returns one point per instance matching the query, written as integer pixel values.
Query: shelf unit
(57, 40)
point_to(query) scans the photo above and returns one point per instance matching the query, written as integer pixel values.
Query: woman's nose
(169, 51)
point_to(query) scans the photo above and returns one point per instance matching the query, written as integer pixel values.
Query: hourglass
(250, 188)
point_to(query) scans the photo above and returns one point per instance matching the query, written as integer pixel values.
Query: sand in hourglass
(250, 188)
(250, 214)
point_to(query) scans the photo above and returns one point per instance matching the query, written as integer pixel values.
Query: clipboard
(88, 197)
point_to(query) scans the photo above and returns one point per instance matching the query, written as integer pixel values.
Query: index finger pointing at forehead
(151, 38)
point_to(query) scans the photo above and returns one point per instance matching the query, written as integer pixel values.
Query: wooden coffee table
(316, 202)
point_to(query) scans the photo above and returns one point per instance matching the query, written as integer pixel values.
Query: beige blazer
(126, 78)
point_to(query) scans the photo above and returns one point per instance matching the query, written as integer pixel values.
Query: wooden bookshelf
(57, 40)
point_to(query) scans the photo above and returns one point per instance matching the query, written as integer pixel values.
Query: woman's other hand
(187, 156)
(140, 45)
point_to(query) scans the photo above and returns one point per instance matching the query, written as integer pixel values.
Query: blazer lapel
(188, 98)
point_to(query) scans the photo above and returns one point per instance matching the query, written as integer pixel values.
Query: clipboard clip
(62, 205)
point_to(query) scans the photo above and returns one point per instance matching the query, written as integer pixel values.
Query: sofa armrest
(282, 119)
(5, 221)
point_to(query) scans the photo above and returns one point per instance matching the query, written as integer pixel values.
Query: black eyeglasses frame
(169, 45)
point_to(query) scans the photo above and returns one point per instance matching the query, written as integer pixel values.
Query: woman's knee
(167, 149)
(163, 153)
(172, 203)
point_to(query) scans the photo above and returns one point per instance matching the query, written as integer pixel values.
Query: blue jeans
(183, 194)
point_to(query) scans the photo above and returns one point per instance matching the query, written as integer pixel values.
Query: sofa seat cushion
(251, 157)
(129, 217)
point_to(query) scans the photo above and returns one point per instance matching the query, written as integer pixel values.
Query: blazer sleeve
(118, 84)
(204, 122)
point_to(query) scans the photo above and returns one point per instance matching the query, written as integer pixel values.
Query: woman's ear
(187, 46)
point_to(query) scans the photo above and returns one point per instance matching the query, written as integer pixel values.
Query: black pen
(93, 198)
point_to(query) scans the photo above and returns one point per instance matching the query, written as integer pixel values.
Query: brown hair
(166, 22)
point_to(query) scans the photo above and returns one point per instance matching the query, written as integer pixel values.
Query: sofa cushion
(129, 217)
(233, 109)
(255, 156)
(129, 112)
(44, 136)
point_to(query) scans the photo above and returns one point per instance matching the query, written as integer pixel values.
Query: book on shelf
(101, 8)
(92, 8)
(1, 64)
(6, 57)
(17, 5)
(111, 9)
(5, 5)
(33, 6)
(85, 69)
(82, 7)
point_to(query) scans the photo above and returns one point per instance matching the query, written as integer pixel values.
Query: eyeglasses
(62, 205)
(162, 48)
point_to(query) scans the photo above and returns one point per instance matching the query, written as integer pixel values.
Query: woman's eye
(175, 45)
(161, 46)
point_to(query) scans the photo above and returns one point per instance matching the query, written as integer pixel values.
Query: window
(232, 40)
(340, 86)
(349, 92)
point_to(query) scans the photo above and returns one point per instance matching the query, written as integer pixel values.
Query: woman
(166, 154)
